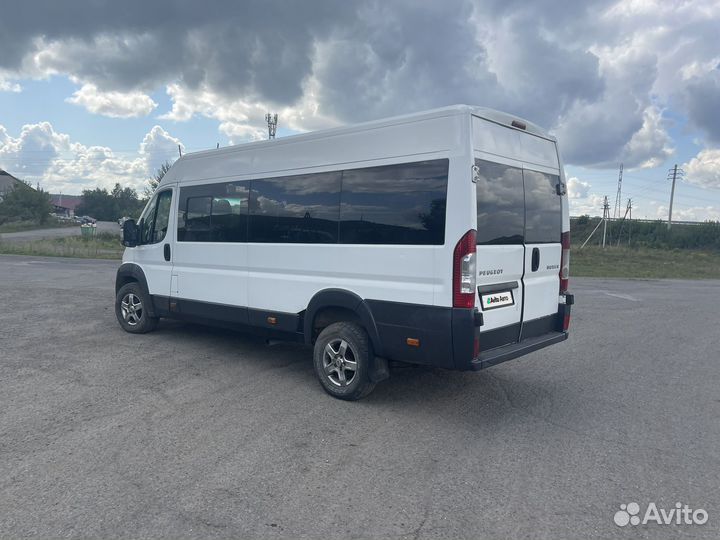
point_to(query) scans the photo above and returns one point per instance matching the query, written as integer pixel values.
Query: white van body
(286, 236)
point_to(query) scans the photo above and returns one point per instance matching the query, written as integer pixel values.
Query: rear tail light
(464, 270)
(565, 262)
(566, 321)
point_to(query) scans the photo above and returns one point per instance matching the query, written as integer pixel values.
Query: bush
(23, 203)
(653, 234)
(107, 205)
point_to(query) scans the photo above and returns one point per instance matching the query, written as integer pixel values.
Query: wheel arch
(341, 300)
(132, 273)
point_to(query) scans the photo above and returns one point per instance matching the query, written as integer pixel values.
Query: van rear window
(500, 204)
(543, 215)
(516, 206)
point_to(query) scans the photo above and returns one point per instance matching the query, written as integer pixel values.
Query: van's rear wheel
(131, 310)
(342, 358)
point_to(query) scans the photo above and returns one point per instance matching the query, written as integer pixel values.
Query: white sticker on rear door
(496, 300)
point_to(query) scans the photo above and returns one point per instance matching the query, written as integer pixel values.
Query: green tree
(127, 202)
(109, 205)
(23, 203)
(583, 220)
(97, 203)
(155, 180)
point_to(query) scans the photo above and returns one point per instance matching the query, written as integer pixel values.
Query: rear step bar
(508, 352)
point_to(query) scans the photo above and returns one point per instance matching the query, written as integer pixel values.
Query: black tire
(131, 309)
(334, 367)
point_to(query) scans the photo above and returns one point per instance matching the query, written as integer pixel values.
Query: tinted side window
(154, 223)
(147, 222)
(395, 204)
(543, 217)
(500, 204)
(214, 212)
(162, 217)
(295, 209)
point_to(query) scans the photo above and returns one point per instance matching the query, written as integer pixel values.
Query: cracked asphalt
(193, 432)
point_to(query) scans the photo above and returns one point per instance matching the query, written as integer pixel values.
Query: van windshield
(516, 206)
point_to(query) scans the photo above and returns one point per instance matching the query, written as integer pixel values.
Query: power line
(603, 221)
(628, 209)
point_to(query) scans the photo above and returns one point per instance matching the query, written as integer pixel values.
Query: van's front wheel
(131, 310)
(342, 359)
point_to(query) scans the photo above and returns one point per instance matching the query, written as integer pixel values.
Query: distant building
(8, 182)
(65, 205)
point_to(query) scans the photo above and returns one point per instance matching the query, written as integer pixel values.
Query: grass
(594, 261)
(103, 246)
(19, 226)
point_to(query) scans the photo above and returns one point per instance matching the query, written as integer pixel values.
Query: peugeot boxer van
(438, 238)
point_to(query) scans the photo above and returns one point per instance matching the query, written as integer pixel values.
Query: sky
(94, 93)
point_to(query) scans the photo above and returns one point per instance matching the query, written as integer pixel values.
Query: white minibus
(438, 238)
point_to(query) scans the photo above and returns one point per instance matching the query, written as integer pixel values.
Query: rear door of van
(543, 251)
(500, 249)
(519, 222)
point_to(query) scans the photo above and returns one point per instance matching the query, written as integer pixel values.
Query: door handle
(535, 259)
(166, 251)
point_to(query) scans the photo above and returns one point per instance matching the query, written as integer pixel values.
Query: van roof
(492, 115)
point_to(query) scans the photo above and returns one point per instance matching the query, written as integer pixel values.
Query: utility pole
(603, 221)
(674, 173)
(618, 197)
(606, 216)
(271, 120)
(622, 223)
(630, 223)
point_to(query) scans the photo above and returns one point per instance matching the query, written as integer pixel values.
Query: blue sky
(88, 100)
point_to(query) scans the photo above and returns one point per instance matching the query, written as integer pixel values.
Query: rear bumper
(447, 336)
(508, 352)
(502, 344)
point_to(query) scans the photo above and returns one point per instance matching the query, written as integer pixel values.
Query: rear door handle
(535, 259)
(166, 252)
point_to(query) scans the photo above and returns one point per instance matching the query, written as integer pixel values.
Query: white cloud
(689, 213)
(577, 189)
(157, 147)
(650, 146)
(599, 73)
(243, 120)
(93, 166)
(623, 125)
(704, 169)
(42, 154)
(112, 104)
(7, 86)
(591, 205)
(31, 153)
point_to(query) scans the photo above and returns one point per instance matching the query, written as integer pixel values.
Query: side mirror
(131, 233)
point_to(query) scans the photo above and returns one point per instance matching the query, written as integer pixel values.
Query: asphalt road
(194, 432)
(57, 232)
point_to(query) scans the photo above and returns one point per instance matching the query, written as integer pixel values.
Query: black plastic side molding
(132, 272)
